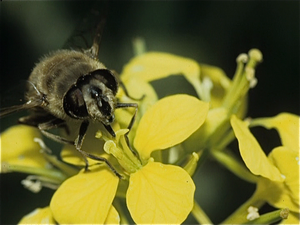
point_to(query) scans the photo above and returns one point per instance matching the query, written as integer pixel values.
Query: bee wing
(16, 108)
(15, 97)
(88, 33)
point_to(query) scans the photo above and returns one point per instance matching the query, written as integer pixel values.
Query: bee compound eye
(107, 78)
(74, 104)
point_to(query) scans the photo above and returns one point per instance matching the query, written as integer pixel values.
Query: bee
(73, 86)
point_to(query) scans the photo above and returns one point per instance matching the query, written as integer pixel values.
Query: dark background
(211, 32)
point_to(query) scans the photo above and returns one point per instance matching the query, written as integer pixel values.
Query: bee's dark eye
(107, 78)
(74, 104)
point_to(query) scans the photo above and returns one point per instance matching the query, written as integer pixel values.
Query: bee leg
(78, 143)
(110, 130)
(127, 105)
(55, 123)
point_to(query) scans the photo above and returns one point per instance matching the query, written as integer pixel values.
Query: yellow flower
(161, 193)
(157, 193)
(18, 147)
(279, 181)
(21, 152)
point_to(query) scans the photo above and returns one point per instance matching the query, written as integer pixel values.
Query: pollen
(256, 55)
(250, 75)
(252, 213)
(242, 58)
(34, 186)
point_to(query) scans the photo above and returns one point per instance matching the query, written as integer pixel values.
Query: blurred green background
(211, 32)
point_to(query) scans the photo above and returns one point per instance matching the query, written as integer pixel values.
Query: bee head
(100, 102)
(93, 97)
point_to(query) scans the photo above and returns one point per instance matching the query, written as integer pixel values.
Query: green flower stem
(157, 155)
(240, 215)
(66, 169)
(122, 188)
(139, 46)
(243, 79)
(203, 155)
(119, 208)
(237, 78)
(200, 215)
(271, 217)
(226, 140)
(53, 174)
(234, 166)
(191, 165)
(217, 136)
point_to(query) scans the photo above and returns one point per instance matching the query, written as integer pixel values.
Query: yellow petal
(287, 161)
(170, 121)
(220, 83)
(113, 216)
(18, 148)
(160, 194)
(198, 140)
(251, 152)
(39, 216)
(155, 65)
(138, 88)
(85, 198)
(287, 125)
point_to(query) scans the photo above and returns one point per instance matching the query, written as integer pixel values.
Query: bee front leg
(78, 144)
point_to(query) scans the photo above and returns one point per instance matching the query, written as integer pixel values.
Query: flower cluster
(171, 137)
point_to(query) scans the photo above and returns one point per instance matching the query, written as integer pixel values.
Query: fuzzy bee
(68, 86)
